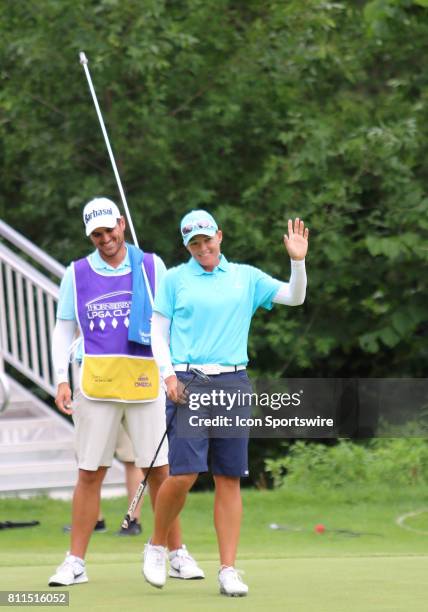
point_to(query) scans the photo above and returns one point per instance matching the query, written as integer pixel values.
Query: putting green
(307, 585)
(383, 568)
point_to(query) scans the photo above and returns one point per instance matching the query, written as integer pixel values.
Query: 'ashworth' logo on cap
(98, 213)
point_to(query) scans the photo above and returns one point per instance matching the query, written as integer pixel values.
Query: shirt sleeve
(293, 293)
(265, 289)
(164, 300)
(66, 304)
(62, 340)
(160, 344)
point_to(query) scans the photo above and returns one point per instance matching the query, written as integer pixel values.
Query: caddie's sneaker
(100, 527)
(71, 571)
(182, 565)
(230, 583)
(154, 565)
(133, 529)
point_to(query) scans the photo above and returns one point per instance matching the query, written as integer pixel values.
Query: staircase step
(43, 451)
(17, 431)
(37, 450)
(44, 476)
(37, 468)
(13, 423)
(48, 445)
(22, 409)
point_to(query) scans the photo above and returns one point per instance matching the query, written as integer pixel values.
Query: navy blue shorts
(209, 449)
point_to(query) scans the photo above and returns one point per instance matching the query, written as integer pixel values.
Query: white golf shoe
(154, 565)
(182, 565)
(230, 583)
(71, 571)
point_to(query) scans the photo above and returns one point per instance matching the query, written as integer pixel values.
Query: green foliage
(260, 111)
(390, 462)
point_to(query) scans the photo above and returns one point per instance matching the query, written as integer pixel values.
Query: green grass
(292, 570)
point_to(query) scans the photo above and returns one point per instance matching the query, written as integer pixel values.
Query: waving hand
(296, 242)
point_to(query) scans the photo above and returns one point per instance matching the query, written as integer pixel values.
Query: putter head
(199, 374)
(126, 521)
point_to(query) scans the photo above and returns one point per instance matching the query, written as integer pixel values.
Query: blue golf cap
(197, 222)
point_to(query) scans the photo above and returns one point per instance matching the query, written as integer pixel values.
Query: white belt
(210, 369)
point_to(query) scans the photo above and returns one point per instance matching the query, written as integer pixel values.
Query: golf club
(84, 62)
(143, 484)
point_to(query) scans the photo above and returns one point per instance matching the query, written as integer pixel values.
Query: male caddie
(109, 296)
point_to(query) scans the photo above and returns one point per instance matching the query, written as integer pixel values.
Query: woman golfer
(201, 318)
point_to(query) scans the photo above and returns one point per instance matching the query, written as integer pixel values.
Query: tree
(259, 111)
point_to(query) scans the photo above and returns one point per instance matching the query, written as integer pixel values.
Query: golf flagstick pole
(84, 62)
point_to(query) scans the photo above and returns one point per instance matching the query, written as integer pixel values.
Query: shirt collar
(197, 270)
(98, 262)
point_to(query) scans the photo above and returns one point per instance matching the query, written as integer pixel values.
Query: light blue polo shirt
(66, 303)
(211, 311)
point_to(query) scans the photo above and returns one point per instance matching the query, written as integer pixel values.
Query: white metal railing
(4, 392)
(27, 247)
(28, 302)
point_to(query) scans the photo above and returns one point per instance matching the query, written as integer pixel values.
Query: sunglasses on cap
(197, 225)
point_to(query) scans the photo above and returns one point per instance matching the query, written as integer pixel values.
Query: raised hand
(296, 242)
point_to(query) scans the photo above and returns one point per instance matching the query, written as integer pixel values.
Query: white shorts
(97, 425)
(124, 451)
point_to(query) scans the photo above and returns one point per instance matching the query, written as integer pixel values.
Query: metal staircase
(36, 442)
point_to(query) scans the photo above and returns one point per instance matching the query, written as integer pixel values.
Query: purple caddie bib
(113, 367)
